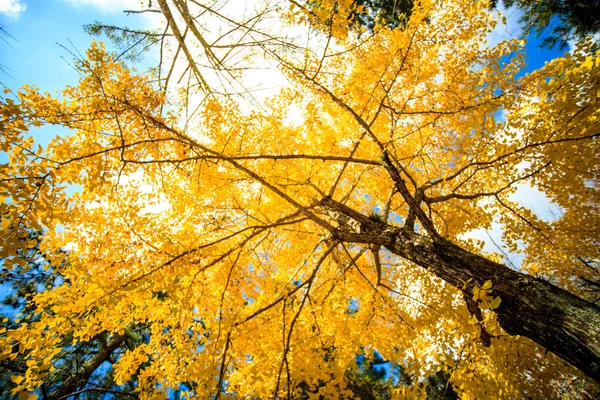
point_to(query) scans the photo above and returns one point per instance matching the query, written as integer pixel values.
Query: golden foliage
(216, 215)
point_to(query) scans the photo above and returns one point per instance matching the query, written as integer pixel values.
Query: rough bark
(80, 378)
(559, 321)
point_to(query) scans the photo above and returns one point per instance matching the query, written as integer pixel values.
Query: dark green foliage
(391, 13)
(375, 378)
(375, 217)
(566, 19)
(21, 284)
(24, 282)
(439, 387)
(558, 21)
(130, 43)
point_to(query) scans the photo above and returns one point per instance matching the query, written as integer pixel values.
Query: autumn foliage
(228, 230)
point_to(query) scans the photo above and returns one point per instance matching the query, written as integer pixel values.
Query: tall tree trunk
(561, 322)
(81, 377)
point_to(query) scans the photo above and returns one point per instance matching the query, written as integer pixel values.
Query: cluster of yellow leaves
(331, 16)
(196, 232)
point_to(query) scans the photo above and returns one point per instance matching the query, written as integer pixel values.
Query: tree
(367, 14)
(375, 378)
(566, 19)
(86, 368)
(80, 368)
(287, 248)
(559, 21)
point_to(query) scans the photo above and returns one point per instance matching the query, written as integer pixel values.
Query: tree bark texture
(559, 321)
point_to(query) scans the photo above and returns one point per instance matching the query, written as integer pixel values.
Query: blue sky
(35, 55)
(39, 27)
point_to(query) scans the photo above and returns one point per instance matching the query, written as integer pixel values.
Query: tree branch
(412, 203)
(80, 378)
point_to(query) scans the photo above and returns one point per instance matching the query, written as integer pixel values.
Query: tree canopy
(563, 20)
(557, 21)
(265, 245)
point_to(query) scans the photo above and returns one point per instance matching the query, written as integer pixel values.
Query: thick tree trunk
(561, 322)
(80, 378)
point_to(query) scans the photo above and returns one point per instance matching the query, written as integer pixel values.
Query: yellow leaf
(24, 395)
(495, 302)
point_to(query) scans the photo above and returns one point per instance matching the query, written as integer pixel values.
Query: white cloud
(12, 8)
(151, 20)
(108, 6)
